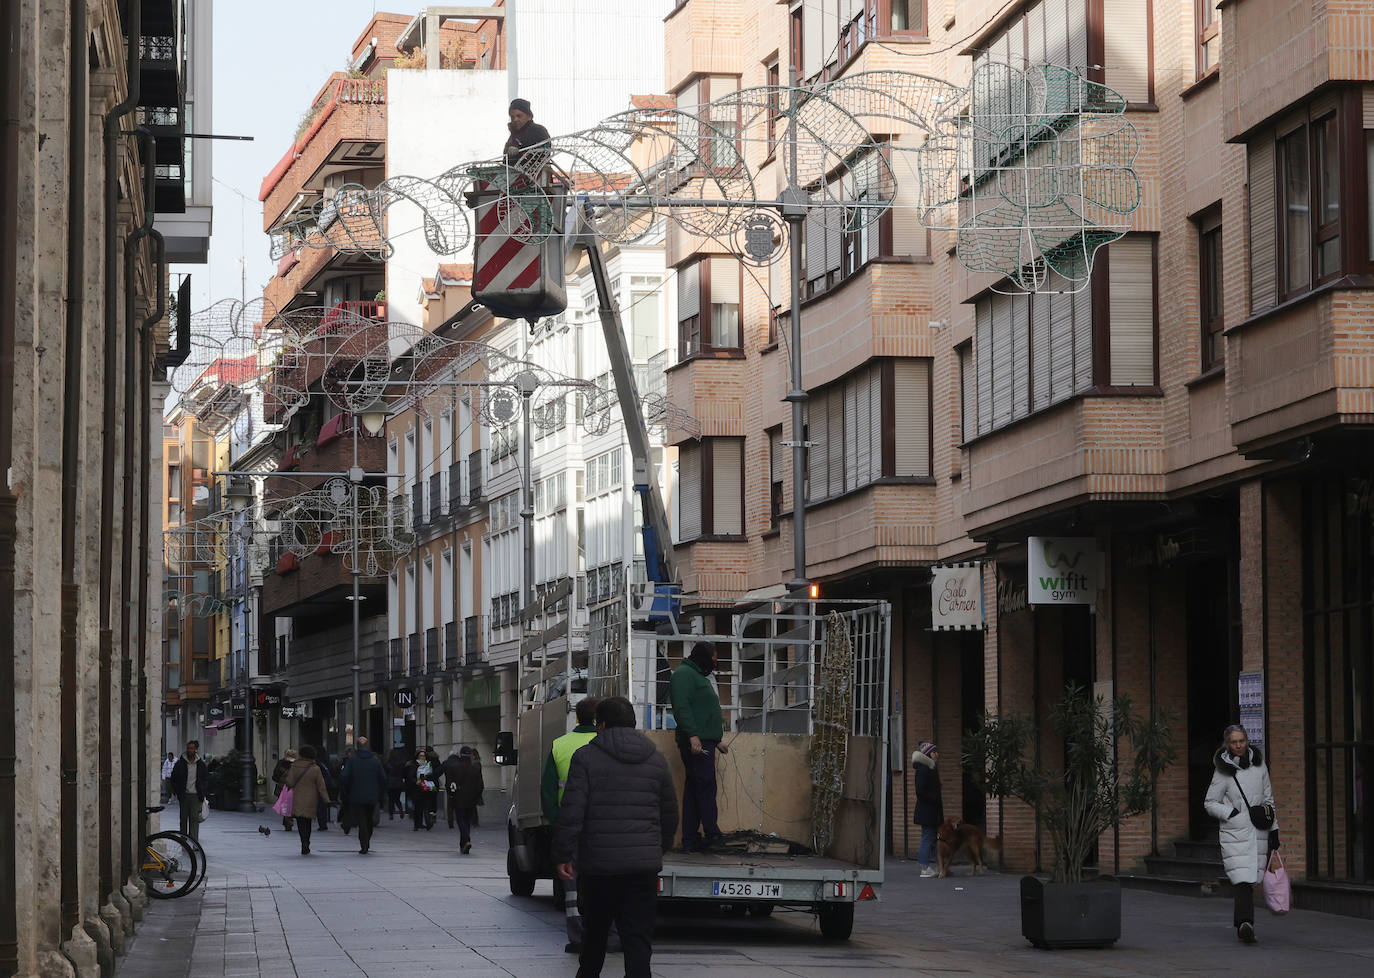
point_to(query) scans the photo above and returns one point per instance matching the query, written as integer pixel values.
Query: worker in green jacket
(551, 797)
(696, 710)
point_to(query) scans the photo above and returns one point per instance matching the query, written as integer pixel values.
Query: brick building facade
(1210, 438)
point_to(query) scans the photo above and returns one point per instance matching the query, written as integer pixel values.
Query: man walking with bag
(191, 784)
(617, 817)
(364, 784)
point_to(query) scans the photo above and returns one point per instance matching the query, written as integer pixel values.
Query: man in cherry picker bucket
(527, 147)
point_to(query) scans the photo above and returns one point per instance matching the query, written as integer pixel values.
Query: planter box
(1067, 915)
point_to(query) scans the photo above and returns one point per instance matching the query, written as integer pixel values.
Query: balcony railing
(474, 640)
(344, 315)
(456, 499)
(379, 655)
(437, 503)
(475, 478)
(417, 505)
(431, 650)
(397, 666)
(416, 662)
(452, 653)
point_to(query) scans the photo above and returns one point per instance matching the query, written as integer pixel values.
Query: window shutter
(689, 492)
(908, 233)
(1263, 211)
(1057, 32)
(855, 453)
(1061, 342)
(1020, 356)
(724, 280)
(911, 399)
(818, 433)
(1035, 32)
(834, 229)
(727, 460)
(688, 291)
(1001, 360)
(1127, 42)
(838, 448)
(1083, 338)
(968, 394)
(875, 424)
(815, 240)
(982, 359)
(1041, 340)
(812, 54)
(1078, 34)
(1131, 288)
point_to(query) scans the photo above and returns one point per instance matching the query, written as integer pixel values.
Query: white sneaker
(928, 872)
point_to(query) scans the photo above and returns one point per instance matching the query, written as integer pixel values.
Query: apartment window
(174, 482)
(903, 16)
(1299, 175)
(711, 488)
(712, 130)
(775, 476)
(968, 393)
(840, 241)
(773, 79)
(1208, 40)
(871, 424)
(1034, 351)
(708, 299)
(646, 324)
(1209, 291)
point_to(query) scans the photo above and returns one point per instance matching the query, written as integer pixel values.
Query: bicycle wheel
(202, 863)
(169, 867)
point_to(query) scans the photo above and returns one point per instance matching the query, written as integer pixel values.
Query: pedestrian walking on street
(696, 710)
(929, 812)
(190, 783)
(395, 784)
(362, 784)
(168, 763)
(1241, 798)
(310, 789)
(551, 789)
(423, 783)
(464, 787)
(279, 779)
(345, 811)
(617, 818)
(331, 791)
(450, 779)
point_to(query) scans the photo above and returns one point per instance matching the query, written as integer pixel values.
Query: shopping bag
(204, 810)
(285, 800)
(1278, 895)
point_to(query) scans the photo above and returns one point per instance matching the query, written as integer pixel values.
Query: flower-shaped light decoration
(1033, 171)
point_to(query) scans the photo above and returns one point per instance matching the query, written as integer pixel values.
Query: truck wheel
(761, 909)
(837, 920)
(521, 884)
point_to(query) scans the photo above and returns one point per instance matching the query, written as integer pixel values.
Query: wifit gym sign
(1062, 570)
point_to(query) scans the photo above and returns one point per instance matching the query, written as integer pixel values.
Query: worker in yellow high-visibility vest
(551, 796)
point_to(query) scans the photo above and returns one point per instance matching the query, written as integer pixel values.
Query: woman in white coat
(1239, 797)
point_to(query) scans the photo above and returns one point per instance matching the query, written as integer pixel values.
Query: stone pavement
(414, 906)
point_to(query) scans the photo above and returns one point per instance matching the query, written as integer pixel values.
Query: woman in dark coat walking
(331, 783)
(395, 785)
(306, 781)
(464, 788)
(930, 807)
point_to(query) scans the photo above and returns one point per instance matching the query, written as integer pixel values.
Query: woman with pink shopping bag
(1241, 798)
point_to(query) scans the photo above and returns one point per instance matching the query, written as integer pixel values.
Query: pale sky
(270, 58)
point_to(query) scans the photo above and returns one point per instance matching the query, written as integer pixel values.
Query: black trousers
(395, 801)
(631, 903)
(464, 818)
(424, 804)
(303, 830)
(361, 816)
(699, 794)
(1245, 903)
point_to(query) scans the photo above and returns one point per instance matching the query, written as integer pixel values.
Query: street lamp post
(240, 500)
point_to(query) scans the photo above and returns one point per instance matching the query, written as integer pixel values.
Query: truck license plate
(748, 889)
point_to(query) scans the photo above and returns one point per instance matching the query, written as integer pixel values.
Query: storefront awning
(222, 724)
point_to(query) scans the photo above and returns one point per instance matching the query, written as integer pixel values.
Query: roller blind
(855, 447)
(1082, 338)
(1131, 287)
(875, 426)
(968, 394)
(1035, 34)
(1263, 246)
(908, 233)
(688, 291)
(815, 241)
(689, 492)
(811, 40)
(1042, 349)
(911, 402)
(835, 404)
(727, 478)
(818, 433)
(982, 356)
(725, 280)
(1126, 26)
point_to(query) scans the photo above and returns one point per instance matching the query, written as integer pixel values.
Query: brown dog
(958, 836)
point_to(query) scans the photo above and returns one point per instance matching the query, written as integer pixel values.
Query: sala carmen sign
(956, 597)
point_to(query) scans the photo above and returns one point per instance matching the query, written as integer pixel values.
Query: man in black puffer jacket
(618, 816)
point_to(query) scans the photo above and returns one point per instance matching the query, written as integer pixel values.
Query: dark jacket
(696, 706)
(464, 783)
(930, 806)
(619, 811)
(363, 779)
(395, 773)
(519, 143)
(201, 785)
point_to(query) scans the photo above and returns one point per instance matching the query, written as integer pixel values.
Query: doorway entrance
(1213, 670)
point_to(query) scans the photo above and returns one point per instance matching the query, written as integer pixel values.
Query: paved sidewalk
(415, 906)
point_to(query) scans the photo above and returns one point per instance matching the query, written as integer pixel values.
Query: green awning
(482, 693)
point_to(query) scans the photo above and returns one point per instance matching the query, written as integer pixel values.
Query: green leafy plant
(1112, 762)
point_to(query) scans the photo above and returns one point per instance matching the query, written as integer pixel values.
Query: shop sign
(263, 699)
(482, 693)
(429, 696)
(292, 711)
(1011, 596)
(1252, 705)
(404, 698)
(956, 597)
(1062, 570)
(215, 711)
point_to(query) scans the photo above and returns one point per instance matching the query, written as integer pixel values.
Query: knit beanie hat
(927, 748)
(523, 104)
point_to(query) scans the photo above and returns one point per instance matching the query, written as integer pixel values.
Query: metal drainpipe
(133, 382)
(73, 388)
(113, 124)
(145, 494)
(11, 85)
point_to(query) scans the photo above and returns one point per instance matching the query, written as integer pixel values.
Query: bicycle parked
(174, 864)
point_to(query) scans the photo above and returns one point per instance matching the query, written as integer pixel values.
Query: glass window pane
(1296, 211)
(725, 325)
